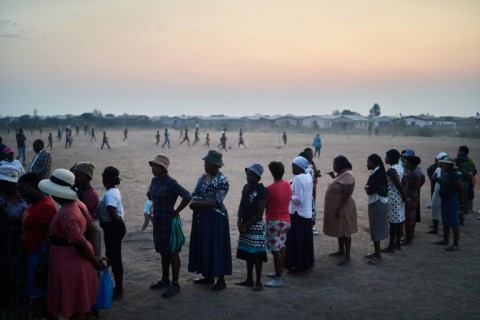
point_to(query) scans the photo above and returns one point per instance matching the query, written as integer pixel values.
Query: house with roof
(350, 122)
(317, 122)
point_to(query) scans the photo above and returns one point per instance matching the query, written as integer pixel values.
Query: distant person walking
(157, 136)
(284, 138)
(50, 141)
(20, 137)
(197, 136)
(92, 135)
(223, 142)
(59, 133)
(317, 144)
(125, 134)
(166, 138)
(207, 141)
(105, 140)
(241, 142)
(185, 137)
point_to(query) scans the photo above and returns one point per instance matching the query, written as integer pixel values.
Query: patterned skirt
(252, 245)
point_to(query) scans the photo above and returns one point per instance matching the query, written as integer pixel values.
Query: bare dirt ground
(422, 282)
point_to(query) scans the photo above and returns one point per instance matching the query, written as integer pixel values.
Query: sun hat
(161, 160)
(60, 185)
(214, 157)
(7, 150)
(85, 168)
(408, 153)
(301, 162)
(441, 155)
(461, 157)
(255, 168)
(9, 173)
(413, 160)
(447, 160)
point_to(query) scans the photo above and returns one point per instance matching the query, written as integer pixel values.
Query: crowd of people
(278, 218)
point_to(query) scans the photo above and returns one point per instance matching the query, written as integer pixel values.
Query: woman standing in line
(72, 279)
(396, 200)
(299, 255)
(164, 191)
(377, 191)
(412, 184)
(340, 210)
(210, 250)
(111, 215)
(252, 239)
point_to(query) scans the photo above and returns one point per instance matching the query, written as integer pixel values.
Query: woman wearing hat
(210, 251)
(164, 192)
(252, 245)
(436, 171)
(13, 276)
(72, 279)
(451, 193)
(11, 161)
(110, 213)
(299, 256)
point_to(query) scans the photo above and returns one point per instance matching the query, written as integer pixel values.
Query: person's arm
(258, 215)
(296, 191)
(83, 249)
(459, 188)
(113, 213)
(92, 234)
(422, 180)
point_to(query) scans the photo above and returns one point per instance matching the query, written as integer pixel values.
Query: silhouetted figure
(105, 140)
(166, 138)
(50, 141)
(125, 134)
(157, 136)
(92, 135)
(185, 137)
(284, 138)
(207, 140)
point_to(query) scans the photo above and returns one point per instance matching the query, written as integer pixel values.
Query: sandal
(373, 261)
(245, 283)
(219, 286)
(171, 291)
(204, 281)
(258, 287)
(164, 283)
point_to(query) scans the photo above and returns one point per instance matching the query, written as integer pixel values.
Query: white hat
(301, 162)
(441, 155)
(60, 185)
(9, 173)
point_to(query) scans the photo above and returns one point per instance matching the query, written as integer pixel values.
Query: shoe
(164, 283)
(204, 281)
(315, 233)
(219, 286)
(373, 261)
(271, 275)
(275, 283)
(429, 206)
(172, 290)
(344, 262)
(337, 254)
(245, 283)
(258, 287)
(388, 250)
(453, 248)
(370, 256)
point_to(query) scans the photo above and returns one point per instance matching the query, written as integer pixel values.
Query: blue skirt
(210, 251)
(299, 254)
(31, 260)
(450, 211)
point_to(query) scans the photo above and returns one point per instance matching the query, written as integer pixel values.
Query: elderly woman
(252, 245)
(72, 279)
(299, 256)
(210, 250)
(36, 220)
(340, 210)
(164, 192)
(110, 214)
(377, 191)
(13, 276)
(451, 193)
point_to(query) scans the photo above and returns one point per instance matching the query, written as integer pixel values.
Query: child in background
(147, 213)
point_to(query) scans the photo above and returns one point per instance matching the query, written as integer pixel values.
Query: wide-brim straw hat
(60, 185)
(160, 160)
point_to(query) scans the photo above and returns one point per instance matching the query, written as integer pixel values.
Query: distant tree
(87, 116)
(375, 111)
(347, 112)
(336, 112)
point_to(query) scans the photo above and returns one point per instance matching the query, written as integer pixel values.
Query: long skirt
(378, 220)
(450, 211)
(436, 206)
(252, 245)
(299, 254)
(210, 250)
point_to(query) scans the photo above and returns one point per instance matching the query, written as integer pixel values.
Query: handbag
(105, 291)
(177, 238)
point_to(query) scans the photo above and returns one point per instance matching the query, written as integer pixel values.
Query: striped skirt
(252, 245)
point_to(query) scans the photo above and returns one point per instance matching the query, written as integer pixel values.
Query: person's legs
(166, 261)
(456, 235)
(175, 261)
(249, 281)
(398, 235)
(145, 222)
(378, 253)
(348, 245)
(341, 248)
(278, 262)
(258, 271)
(114, 231)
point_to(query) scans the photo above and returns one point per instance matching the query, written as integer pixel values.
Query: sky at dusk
(302, 57)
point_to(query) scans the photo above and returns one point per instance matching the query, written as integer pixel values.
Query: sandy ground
(421, 282)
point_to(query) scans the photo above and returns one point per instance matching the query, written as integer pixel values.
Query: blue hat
(408, 153)
(255, 168)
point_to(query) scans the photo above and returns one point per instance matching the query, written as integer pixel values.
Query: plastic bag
(177, 238)
(105, 291)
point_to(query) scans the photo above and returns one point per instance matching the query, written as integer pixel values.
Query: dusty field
(422, 282)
